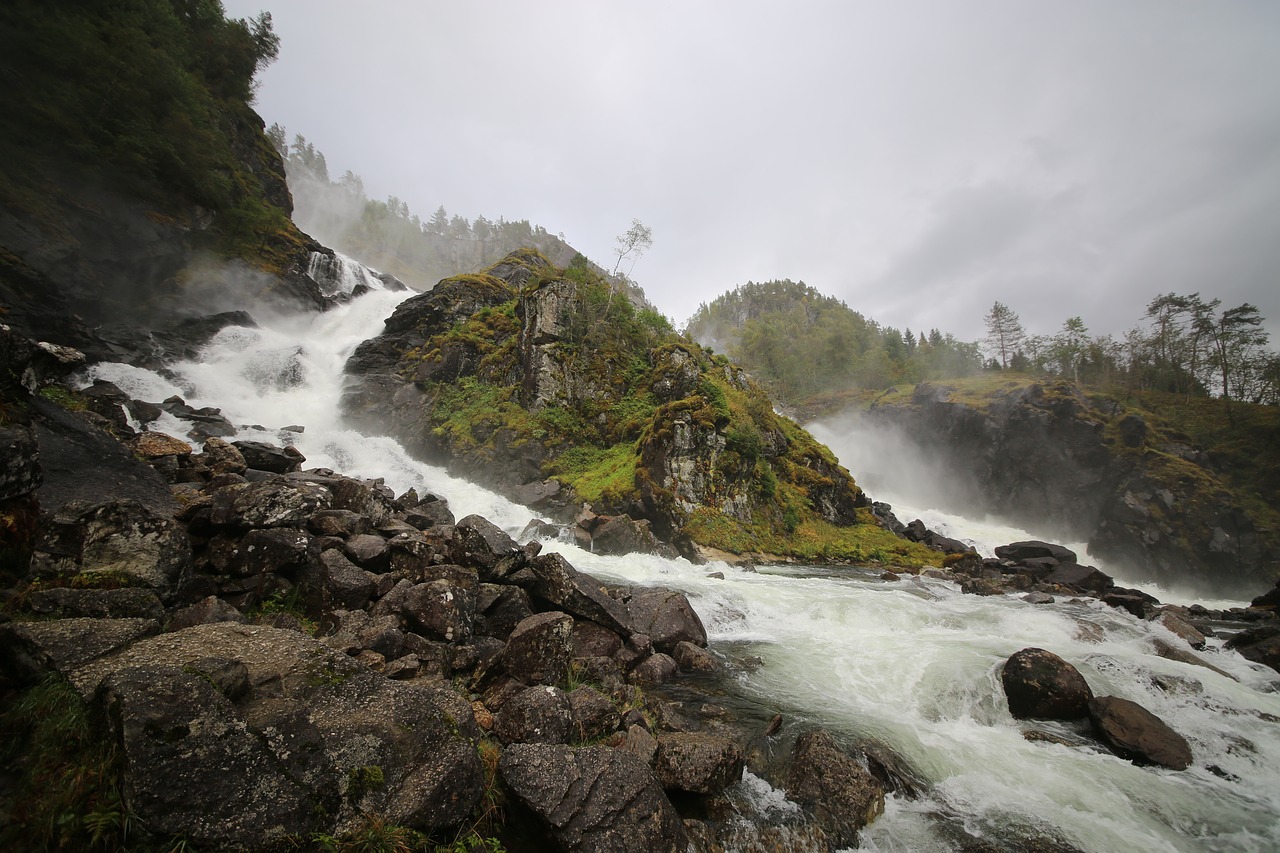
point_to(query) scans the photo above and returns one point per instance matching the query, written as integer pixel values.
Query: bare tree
(632, 243)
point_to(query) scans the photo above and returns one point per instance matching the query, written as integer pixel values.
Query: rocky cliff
(548, 385)
(1150, 503)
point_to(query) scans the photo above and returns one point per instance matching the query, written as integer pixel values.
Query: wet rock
(1079, 578)
(592, 640)
(1135, 733)
(692, 658)
(441, 609)
(268, 457)
(697, 763)
(345, 583)
(594, 714)
(1182, 628)
(657, 668)
(593, 799)
(222, 458)
(479, 541)
(836, 789)
(667, 618)
(35, 649)
(1038, 598)
(114, 540)
(97, 603)
(624, 535)
(505, 608)
(552, 579)
(1033, 549)
(539, 649)
(268, 504)
(368, 551)
(1039, 684)
(426, 516)
(206, 611)
(153, 445)
(536, 715)
(267, 550)
(1260, 645)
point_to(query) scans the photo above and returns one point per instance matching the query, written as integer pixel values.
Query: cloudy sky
(919, 160)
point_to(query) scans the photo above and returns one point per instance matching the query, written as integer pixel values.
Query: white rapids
(913, 663)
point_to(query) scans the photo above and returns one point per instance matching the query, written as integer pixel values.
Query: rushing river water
(912, 663)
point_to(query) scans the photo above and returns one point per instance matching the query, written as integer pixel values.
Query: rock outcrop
(1142, 497)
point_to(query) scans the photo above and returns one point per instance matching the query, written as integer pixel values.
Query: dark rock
(507, 608)
(368, 551)
(1260, 645)
(666, 617)
(345, 583)
(441, 609)
(539, 649)
(640, 743)
(552, 579)
(1039, 684)
(477, 540)
(97, 603)
(697, 763)
(842, 796)
(269, 504)
(1080, 578)
(268, 457)
(118, 539)
(1038, 598)
(36, 649)
(339, 522)
(622, 534)
(267, 550)
(1135, 733)
(537, 715)
(221, 457)
(1270, 598)
(538, 529)
(206, 611)
(1034, 549)
(657, 668)
(1134, 601)
(692, 658)
(20, 471)
(593, 799)
(594, 714)
(425, 516)
(592, 640)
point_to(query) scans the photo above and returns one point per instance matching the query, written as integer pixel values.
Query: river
(912, 663)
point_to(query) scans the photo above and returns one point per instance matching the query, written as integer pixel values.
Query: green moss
(363, 780)
(599, 476)
(64, 397)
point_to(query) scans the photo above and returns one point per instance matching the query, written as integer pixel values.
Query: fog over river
(912, 663)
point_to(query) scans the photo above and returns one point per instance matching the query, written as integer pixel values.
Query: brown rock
(697, 763)
(1040, 684)
(842, 796)
(1135, 733)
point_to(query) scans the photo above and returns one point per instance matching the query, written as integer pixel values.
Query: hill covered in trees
(387, 235)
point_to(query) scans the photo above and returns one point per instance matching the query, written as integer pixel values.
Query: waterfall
(911, 663)
(338, 274)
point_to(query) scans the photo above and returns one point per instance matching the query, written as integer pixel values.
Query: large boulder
(840, 793)
(539, 649)
(122, 541)
(315, 742)
(1080, 578)
(268, 504)
(551, 578)
(1135, 733)
(1034, 549)
(1039, 684)
(1260, 645)
(593, 799)
(697, 763)
(535, 715)
(667, 618)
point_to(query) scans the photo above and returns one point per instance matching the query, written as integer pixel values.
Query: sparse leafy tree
(1004, 333)
(632, 243)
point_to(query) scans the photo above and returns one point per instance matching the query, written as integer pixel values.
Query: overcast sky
(918, 160)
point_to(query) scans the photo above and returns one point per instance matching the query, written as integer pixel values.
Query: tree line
(1186, 345)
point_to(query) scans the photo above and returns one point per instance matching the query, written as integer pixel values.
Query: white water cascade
(913, 663)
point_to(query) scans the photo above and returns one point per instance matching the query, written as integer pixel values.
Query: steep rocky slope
(548, 385)
(1148, 500)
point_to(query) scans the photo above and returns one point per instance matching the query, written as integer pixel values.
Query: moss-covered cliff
(549, 385)
(1161, 487)
(138, 185)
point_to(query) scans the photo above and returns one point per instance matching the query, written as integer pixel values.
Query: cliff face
(1147, 500)
(545, 384)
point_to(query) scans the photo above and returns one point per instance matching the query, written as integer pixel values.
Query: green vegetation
(803, 345)
(150, 97)
(64, 397)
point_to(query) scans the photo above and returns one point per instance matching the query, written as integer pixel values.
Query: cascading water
(911, 663)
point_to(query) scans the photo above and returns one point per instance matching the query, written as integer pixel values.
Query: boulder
(36, 649)
(206, 611)
(221, 457)
(539, 649)
(540, 714)
(154, 445)
(622, 534)
(1135, 733)
(666, 617)
(1080, 578)
(657, 668)
(426, 516)
(594, 714)
(339, 522)
(552, 579)
(842, 796)
(1034, 549)
(316, 742)
(477, 540)
(266, 550)
(97, 603)
(1260, 645)
(505, 608)
(441, 609)
(268, 457)
(345, 583)
(1039, 684)
(592, 640)
(268, 504)
(693, 658)
(697, 763)
(593, 799)
(118, 540)
(368, 551)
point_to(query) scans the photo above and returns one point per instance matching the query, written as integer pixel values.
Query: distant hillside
(389, 237)
(803, 345)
